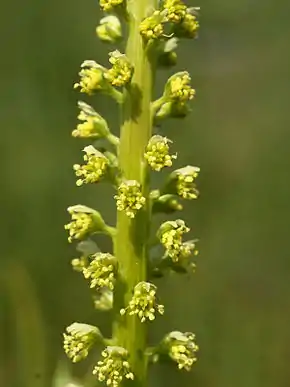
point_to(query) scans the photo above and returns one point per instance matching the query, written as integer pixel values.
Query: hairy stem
(132, 234)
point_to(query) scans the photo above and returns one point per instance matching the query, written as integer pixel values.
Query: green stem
(132, 234)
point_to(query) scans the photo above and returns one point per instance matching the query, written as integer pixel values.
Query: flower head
(94, 169)
(121, 72)
(151, 28)
(178, 88)
(100, 271)
(185, 182)
(176, 10)
(85, 220)
(189, 25)
(92, 77)
(79, 339)
(182, 348)
(93, 125)
(171, 234)
(114, 366)
(81, 224)
(157, 153)
(108, 5)
(129, 198)
(143, 302)
(109, 29)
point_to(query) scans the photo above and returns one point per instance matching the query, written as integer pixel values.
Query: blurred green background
(238, 301)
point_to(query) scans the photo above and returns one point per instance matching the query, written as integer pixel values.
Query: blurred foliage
(238, 133)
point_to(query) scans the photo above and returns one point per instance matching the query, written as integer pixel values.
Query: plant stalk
(132, 234)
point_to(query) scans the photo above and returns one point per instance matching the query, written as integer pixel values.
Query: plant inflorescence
(121, 280)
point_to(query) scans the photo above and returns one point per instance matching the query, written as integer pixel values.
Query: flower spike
(109, 30)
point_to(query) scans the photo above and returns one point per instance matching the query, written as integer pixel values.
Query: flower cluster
(94, 169)
(109, 5)
(121, 72)
(79, 339)
(101, 271)
(181, 348)
(176, 10)
(170, 234)
(189, 26)
(178, 88)
(109, 29)
(93, 125)
(143, 302)
(114, 366)
(151, 28)
(184, 19)
(157, 153)
(92, 77)
(185, 181)
(129, 198)
(82, 223)
(178, 92)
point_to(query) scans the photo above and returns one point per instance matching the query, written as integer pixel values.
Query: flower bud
(103, 299)
(110, 29)
(166, 204)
